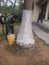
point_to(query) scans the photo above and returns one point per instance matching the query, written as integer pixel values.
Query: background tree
(13, 8)
(19, 10)
(0, 5)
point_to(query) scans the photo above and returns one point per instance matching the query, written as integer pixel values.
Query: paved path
(45, 24)
(41, 34)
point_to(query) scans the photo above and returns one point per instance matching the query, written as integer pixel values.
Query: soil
(38, 54)
(16, 55)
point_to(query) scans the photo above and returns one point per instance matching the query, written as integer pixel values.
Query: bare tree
(3, 2)
(6, 2)
(14, 7)
(9, 1)
(0, 3)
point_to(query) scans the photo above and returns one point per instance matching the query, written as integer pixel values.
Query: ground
(16, 55)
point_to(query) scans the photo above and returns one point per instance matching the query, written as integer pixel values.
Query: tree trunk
(14, 7)
(0, 3)
(25, 36)
(28, 4)
(6, 2)
(3, 2)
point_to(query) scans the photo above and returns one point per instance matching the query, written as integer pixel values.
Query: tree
(3, 2)
(14, 7)
(0, 3)
(19, 10)
(6, 2)
(9, 1)
(25, 37)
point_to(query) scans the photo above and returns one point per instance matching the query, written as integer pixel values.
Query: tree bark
(25, 35)
(28, 4)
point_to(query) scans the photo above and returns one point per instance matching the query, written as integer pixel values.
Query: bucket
(11, 39)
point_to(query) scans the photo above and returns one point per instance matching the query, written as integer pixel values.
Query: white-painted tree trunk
(25, 35)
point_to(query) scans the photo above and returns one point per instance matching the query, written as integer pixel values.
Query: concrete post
(36, 12)
(47, 11)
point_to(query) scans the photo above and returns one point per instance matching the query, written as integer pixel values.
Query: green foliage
(9, 10)
(19, 11)
(6, 9)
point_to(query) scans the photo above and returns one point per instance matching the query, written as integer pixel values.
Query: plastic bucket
(11, 39)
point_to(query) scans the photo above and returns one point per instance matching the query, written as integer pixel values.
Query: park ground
(16, 55)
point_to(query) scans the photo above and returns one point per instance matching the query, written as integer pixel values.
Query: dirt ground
(16, 55)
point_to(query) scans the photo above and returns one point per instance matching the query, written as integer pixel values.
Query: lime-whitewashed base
(25, 35)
